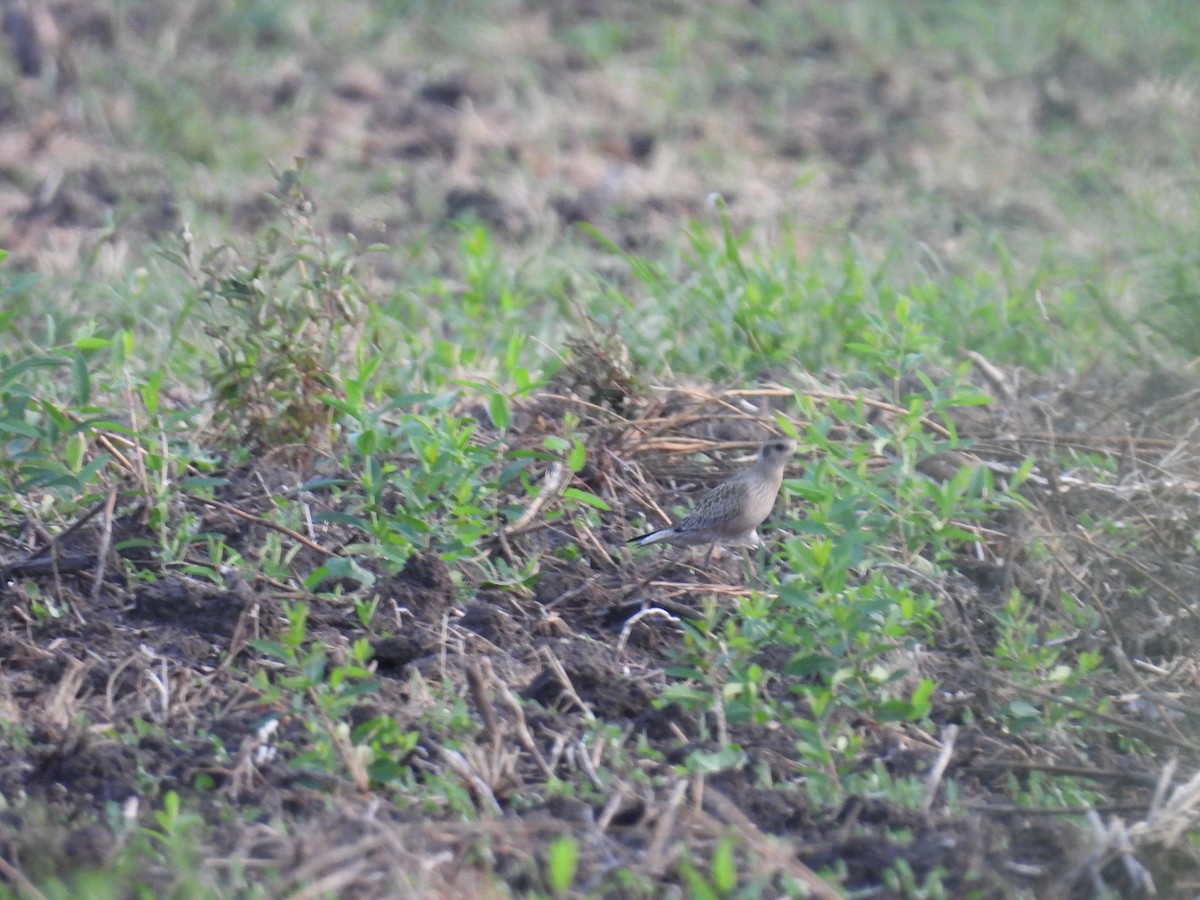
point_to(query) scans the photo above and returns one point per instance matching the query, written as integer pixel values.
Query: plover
(731, 512)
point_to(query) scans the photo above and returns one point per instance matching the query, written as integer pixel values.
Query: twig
(17, 877)
(1013, 809)
(523, 734)
(939, 766)
(877, 404)
(568, 688)
(991, 373)
(771, 849)
(258, 520)
(1127, 724)
(617, 417)
(483, 794)
(1071, 771)
(634, 619)
(479, 694)
(48, 565)
(554, 482)
(105, 543)
(655, 863)
(573, 592)
(44, 546)
(611, 808)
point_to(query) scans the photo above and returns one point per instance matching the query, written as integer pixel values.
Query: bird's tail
(650, 537)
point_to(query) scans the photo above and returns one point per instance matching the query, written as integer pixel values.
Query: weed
(917, 227)
(322, 696)
(279, 323)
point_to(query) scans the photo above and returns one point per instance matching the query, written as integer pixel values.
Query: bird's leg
(748, 567)
(756, 561)
(708, 556)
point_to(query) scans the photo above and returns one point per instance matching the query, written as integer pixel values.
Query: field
(343, 347)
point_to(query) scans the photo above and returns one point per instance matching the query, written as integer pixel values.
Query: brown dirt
(175, 652)
(902, 141)
(454, 654)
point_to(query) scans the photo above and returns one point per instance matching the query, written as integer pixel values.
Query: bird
(731, 512)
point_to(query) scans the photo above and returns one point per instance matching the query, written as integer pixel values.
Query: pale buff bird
(731, 512)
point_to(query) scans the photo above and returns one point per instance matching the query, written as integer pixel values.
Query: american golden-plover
(731, 512)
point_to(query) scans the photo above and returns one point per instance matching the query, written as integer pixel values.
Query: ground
(539, 679)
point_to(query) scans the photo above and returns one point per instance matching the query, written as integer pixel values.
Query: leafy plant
(281, 321)
(322, 696)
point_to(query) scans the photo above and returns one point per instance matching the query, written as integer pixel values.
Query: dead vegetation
(438, 728)
(513, 689)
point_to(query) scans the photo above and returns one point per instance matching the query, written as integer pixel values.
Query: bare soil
(533, 668)
(578, 648)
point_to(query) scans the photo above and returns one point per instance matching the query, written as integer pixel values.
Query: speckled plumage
(731, 512)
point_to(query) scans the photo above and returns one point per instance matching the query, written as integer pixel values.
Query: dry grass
(537, 681)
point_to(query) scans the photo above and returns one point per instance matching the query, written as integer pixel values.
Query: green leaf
(135, 544)
(408, 400)
(1023, 709)
(44, 476)
(809, 664)
(19, 284)
(92, 343)
(280, 651)
(13, 426)
(498, 407)
(337, 569)
(80, 380)
(191, 484)
(1022, 473)
(318, 482)
(697, 887)
(586, 497)
(88, 472)
(341, 406)
(710, 762)
(724, 867)
(561, 861)
(920, 697)
(577, 457)
(15, 371)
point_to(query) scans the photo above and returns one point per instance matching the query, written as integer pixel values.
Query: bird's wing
(722, 503)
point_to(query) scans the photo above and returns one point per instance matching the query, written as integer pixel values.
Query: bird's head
(775, 453)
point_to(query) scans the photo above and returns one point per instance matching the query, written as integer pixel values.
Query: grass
(361, 505)
(294, 356)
